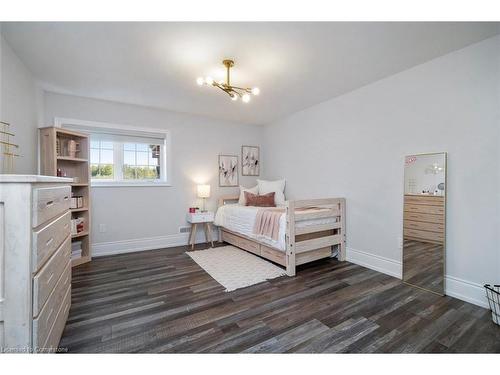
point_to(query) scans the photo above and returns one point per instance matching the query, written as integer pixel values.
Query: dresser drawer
(49, 238)
(47, 317)
(45, 280)
(273, 255)
(424, 209)
(49, 202)
(423, 236)
(419, 225)
(56, 332)
(200, 217)
(429, 200)
(241, 242)
(428, 218)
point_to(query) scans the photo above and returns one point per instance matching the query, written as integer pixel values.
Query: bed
(308, 230)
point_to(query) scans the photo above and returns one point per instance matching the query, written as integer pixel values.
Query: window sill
(129, 184)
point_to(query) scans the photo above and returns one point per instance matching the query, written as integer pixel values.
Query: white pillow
(278, 187)
(242, 201)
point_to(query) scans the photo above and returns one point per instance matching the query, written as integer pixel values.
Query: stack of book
(76, 249)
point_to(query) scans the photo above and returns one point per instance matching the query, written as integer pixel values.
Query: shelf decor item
(9, 150)
(66, 153)
(73, 148)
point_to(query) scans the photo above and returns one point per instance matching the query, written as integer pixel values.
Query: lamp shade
(203, 191)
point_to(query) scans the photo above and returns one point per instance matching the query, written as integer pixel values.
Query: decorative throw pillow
(265, 200)
(278, 187)
(242, 201)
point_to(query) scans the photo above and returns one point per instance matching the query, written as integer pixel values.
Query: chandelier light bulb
(234, 92)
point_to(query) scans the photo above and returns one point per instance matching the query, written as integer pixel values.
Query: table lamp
(204, 192)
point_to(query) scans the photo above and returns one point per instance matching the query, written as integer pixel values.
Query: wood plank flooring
(162, 301)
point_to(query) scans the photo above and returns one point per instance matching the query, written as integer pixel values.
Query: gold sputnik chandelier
(234, 92)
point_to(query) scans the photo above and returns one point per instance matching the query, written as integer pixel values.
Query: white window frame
(165, 157)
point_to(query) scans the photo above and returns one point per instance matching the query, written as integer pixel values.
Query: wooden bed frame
(303, 245)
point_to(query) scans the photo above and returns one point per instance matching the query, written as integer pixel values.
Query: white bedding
(241, 219)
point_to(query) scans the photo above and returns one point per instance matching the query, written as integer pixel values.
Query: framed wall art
(228, 170)
(250, 161)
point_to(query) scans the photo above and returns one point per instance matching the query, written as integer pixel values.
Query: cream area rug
(234, 268)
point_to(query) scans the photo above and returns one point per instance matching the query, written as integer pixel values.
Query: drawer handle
(49, 241)
(66, 198)
(49, 203)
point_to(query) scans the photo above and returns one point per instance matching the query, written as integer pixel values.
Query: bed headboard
(228, 199)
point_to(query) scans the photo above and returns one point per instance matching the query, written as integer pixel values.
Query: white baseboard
(454, 287)
(375, 262)
(465, 290)
(142, 244)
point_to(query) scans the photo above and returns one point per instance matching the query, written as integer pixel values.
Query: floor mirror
(424, 221)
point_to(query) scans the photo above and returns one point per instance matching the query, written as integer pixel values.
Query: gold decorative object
(9, 150)
(234, 92)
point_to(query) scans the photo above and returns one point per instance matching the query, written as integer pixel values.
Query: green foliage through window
(101, 171)
(141, 161)
(131, 172)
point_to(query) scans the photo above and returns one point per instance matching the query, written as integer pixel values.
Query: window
(125, 156)
(101, 159)
(130, 161)
(141, 161)
(114, 161)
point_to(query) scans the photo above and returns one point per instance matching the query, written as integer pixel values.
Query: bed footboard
(305, 244)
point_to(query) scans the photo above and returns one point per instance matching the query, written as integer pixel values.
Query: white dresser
(35, 266)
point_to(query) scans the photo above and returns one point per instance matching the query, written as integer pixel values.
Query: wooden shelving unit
(72, 159)
(54, 156)
(83, 259)
(80, 234)
(79, 209)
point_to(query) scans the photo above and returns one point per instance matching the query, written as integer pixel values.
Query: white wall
(18, 106)
(149, 217)
(354, 146)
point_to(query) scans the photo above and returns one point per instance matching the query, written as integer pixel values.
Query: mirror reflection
(424, 221)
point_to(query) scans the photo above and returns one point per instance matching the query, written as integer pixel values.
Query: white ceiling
(296, 65)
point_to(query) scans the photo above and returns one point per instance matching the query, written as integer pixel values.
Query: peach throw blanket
(267, 221)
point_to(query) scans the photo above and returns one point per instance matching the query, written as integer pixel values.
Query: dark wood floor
(162, 301)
